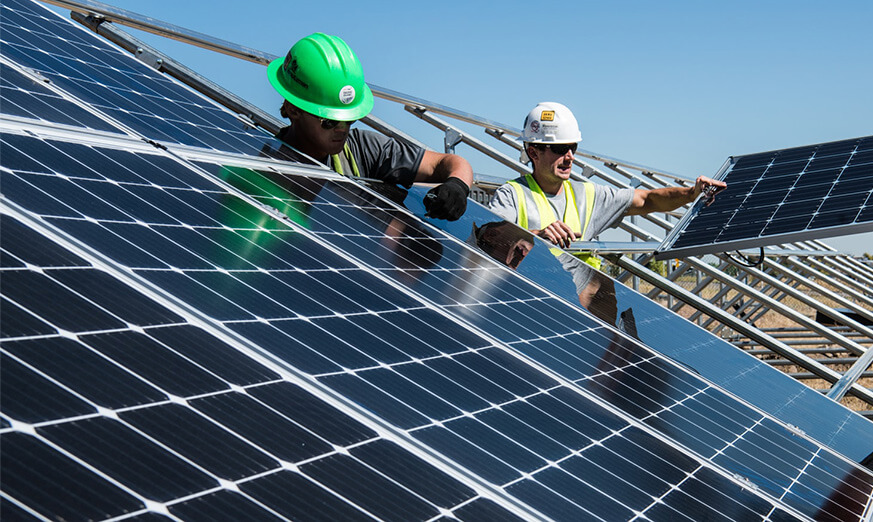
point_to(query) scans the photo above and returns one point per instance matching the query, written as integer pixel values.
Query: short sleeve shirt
(610, 205)
(377, 156)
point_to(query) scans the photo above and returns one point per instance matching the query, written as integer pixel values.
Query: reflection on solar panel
(710, 356)
(173, 345)
(783, 196)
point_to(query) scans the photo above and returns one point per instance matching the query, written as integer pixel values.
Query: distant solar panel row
(186, 353)
(784, 195)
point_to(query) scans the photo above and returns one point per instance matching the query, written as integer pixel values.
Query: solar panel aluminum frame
(663, 251)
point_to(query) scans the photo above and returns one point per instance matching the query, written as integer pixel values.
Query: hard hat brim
(349, 112)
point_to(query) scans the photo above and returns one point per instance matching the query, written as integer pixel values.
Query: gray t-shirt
(610, 205)
(377, 156)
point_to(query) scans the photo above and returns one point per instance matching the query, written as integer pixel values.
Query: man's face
(506, 243)
(552, 162)
(314, 138)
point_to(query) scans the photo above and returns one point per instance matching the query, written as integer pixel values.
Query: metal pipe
(812, 285)
(782, 309)
(775, 345)
(832, 281)
(160, 28)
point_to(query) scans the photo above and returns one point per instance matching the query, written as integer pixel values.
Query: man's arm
(437, 167)
(670, 198)
(448, 200)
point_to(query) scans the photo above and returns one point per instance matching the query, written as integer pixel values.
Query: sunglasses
(558, 148)
(327, 124)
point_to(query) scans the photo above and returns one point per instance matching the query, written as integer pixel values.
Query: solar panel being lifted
(782, 196)
(212, 336)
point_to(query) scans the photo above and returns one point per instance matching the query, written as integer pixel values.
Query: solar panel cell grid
(780, 196)
(131, 416)
(118, 86)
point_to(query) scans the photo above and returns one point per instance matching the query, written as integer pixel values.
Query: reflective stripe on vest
(347, 160)
(547, 215)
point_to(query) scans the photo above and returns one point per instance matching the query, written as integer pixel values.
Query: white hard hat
(549, 122)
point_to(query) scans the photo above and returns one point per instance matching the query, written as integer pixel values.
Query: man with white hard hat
(561, 210)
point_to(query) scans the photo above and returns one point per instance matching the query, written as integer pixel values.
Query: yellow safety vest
(337, 162)
(547, 215)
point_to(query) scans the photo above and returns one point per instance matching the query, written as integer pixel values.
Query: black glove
(447, 201)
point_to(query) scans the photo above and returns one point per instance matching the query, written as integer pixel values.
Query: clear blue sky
(676, 86)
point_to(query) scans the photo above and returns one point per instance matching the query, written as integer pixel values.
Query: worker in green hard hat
(323, 85)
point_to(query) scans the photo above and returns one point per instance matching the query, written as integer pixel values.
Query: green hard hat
(322, 76)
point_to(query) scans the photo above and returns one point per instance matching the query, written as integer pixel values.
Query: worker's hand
(558, 233)
(708, 187)
(448, 200)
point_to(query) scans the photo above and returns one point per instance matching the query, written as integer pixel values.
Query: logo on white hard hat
(347, 95)
(535, 126)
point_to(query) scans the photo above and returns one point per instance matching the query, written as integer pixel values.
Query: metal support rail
(812, 285)
(815, 351)
(848, 379)
(805, 376)
(847, 276)
(827, 360)
(857, 270)
(775, 345)
(795, 341)
(832, 281)
(861, 267)
(455, 136)
(783, 309)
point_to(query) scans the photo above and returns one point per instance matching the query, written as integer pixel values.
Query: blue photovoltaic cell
(115, 84)
(782, 196)
(22, 96)
(479, 423)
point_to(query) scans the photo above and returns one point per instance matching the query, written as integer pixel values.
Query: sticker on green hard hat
(347, 95)
(322, 76)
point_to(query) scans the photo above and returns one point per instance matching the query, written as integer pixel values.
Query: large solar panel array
(194, 335)
(783, 196)
(703, 353)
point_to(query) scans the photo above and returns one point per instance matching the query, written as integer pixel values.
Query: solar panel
(23, 96)
(128, 94)
(173, 333)
(782, 196)
(703, 353)
(331, 305)
(114, 405)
